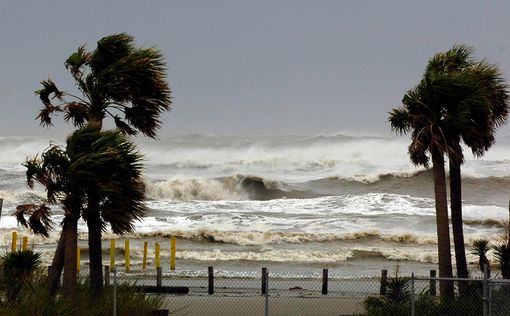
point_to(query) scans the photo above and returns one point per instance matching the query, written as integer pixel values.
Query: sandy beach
(248, 306)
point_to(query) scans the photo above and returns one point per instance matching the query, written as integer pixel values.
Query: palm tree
(116, 80)
(107, 161)
(477, 124)
(426, 113)
(480, 248)
(52, 171)
(502, 254)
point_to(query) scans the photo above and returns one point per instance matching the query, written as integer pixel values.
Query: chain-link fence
(218, 292)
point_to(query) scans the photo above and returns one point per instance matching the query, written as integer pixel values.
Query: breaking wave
(237, 187)
(251, 238)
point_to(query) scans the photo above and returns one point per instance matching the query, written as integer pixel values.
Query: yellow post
(157, 255)
(112, 253)
(126, 254)
(144, 261)
(25, 243)
(172, 254)
(78, 252)
(14, 241)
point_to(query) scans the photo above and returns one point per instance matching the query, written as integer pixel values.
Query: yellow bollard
(78, 252)
(172, 253)
(126, 254)
(112, 253)
(25, 243)
(157, 255)
(14, 241)
(144, 261)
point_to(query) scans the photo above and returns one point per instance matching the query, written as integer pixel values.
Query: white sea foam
(203, 190)
(193, 188)
(270, 255)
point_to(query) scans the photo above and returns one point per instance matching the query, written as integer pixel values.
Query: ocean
(354, 205)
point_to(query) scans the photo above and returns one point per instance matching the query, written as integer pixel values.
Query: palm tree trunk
(458, 231)
(508, 227)
(70, 231)
(443, 229)
(95, 248)
(57, 265)
(94, 225)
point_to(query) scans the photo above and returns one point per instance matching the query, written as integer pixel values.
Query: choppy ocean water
(353, 204)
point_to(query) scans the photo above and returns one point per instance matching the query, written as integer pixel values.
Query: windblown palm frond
(109, 162)
(39, 219)
(457, 58)
(109, 50)
(76, 61)
(117, 79)
(76, 112)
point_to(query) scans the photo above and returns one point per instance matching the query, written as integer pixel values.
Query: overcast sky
(252, 67)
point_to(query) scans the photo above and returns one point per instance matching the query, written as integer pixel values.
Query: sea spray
(351, 203)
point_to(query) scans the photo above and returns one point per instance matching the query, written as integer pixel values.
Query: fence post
(172, 253)
(14, 241)
(25, 243)
(157, 251)
(114, 291)
(144, 260)
(78, 259)
(210, 272)
(412, 294)
(126, 255)
(264, 280)
(384, 280)
(324, 281)
(485, 301)
(266, 309)
(159, 276)
(112, 253)
(1, 203)
(432, 282)
(490, 297)
(107, 275)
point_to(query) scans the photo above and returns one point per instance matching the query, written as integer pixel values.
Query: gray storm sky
(252, 67)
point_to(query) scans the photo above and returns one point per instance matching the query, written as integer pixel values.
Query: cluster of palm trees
(459, 99)
(97, 176)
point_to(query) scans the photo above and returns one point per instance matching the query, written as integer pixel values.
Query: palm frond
(480, 247)
(123, 127)
(502, 254)
(110, 164)
(49, 88)
(46, 113)
(76, 112)
(39, 220)
(109, 50)
(137, 82)
(76, 61)
(400, 120)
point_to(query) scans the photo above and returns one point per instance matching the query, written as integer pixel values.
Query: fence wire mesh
(217, 292)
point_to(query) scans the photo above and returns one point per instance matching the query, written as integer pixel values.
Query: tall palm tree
(477, 125)
(426, 113)
(116, 80)
(107, 161)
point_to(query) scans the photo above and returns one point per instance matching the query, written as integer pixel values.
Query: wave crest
(237, 187)
(277, 237)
